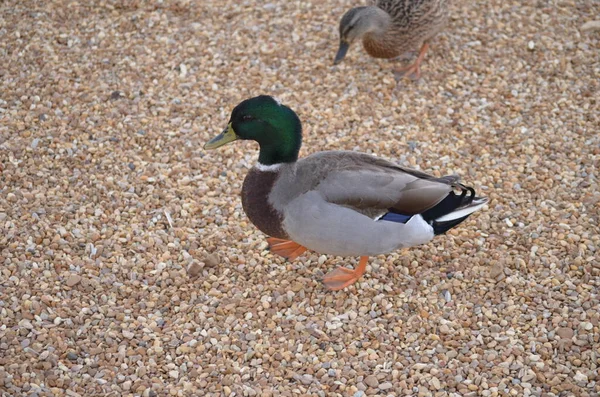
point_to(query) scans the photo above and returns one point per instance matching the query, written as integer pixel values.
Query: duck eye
(247, 117)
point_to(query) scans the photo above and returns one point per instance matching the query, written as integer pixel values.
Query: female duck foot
(286, 248)
(412, 71)
(342, 277)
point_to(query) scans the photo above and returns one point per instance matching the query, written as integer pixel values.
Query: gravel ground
(129, 269)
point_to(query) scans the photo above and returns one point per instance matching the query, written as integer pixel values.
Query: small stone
(174, 374)
(182, 70)
(579, 377)
(496, 270)
(565, 333)
(116, 95)
(304, 379)
(586, 326)
(73, 280)
(212, 260)
(72, 356)
(371, 381)
(385, 386)
(530, 375)
(447, 296)
(590, 26)
(194, 268)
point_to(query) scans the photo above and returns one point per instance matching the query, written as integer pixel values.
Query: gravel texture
(127, 266)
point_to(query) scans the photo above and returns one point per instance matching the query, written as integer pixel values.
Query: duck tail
(453, 209)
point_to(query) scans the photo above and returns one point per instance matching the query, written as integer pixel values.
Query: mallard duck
(336, 202)
(392, 28)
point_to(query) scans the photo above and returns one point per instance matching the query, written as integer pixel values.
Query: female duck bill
(341, 52)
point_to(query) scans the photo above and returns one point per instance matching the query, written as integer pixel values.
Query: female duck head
(358, 22)
(264, 119)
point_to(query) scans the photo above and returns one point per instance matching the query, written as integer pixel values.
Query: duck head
(263, 119)
(356, 23)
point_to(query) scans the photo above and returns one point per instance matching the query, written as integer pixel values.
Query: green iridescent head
(264, 119)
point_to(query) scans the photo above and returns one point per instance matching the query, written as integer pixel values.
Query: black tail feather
(453, 205)
(443, 227)
(450, 204)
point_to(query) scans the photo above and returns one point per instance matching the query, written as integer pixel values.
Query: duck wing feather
(371, 185)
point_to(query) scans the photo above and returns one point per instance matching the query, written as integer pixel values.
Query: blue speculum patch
(393, 217)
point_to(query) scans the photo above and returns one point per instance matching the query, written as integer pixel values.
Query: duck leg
(342, 277)
(286, 248)
(415, 67)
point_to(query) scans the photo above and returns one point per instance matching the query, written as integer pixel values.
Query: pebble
(590, 26)
(579, 377)
(385, 386)
(194, 268)
(212, 260)
(73, 280)
(586, 326)
(565, 332)
(496, 270)
(304, 379)
(371, 381)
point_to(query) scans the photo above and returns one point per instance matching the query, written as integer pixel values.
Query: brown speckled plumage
(391, 28)
(413, 22)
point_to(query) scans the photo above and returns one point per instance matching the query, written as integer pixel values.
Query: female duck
(391, 28)
(337, 202)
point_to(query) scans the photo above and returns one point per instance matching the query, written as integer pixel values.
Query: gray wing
(371, 185)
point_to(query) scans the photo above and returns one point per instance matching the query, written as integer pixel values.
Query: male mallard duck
(391, 28)
(336, 202)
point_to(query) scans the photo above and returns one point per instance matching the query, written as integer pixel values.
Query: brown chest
(382, 47)
(255, 201)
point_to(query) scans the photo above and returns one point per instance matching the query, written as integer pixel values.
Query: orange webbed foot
(286, 248)
(413, 70)
(342, 277)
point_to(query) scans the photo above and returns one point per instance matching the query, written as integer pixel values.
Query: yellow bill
(228, 135)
